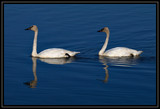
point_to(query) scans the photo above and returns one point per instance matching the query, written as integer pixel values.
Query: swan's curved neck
(34, 50)
(105, 44)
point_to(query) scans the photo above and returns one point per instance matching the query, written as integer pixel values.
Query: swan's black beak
(100, 30)
(29, 28)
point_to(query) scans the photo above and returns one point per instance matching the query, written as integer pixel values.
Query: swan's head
(33, 28)
(105, 29)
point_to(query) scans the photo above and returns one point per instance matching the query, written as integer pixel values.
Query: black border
(80, 2)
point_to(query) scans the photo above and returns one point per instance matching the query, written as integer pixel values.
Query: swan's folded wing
(55, 53)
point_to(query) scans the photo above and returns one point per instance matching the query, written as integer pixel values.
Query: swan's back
(122, 51)
(56, 53)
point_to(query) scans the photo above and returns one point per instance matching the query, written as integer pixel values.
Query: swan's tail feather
(76, 53)
(73, 53)
(139, 52)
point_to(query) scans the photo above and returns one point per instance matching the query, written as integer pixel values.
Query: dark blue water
(86, 79)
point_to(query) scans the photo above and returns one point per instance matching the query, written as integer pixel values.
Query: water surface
(86, 79)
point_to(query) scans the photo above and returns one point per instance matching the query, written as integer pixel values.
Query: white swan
(49, 53)
(118, 51)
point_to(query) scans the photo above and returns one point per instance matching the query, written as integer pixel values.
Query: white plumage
(56, 53)
(118, 51)
(121, 51)
(49, 53)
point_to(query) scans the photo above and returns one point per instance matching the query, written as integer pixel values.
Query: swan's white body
(121, 51)
(118, 51)
(49, 53)
(56, 53)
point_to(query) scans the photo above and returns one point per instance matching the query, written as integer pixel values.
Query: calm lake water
(86, 79)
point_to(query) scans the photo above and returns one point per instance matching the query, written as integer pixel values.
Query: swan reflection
(122, 62)
(60, 61)
(33, 83)
(102, 60)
